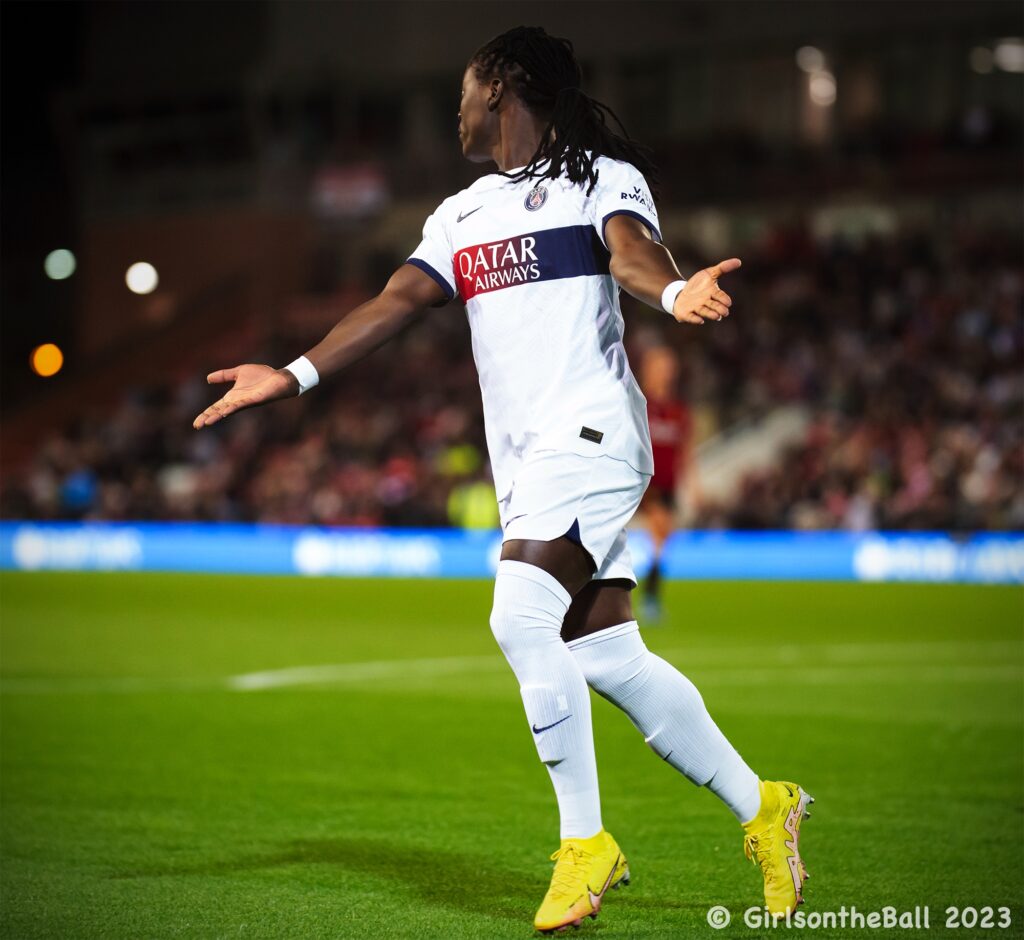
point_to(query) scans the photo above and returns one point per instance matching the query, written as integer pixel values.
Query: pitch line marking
(822, 663)
(360, 672)
(85, 686)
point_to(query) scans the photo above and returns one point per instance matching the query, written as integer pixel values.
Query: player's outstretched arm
(407, 294)
(644, 269)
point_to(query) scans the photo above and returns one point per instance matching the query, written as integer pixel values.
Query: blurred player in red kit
(671, 431)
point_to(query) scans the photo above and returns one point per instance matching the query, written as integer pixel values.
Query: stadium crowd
(907, 351)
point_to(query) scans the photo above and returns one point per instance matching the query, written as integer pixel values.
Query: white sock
(529, 606)
(669, 712)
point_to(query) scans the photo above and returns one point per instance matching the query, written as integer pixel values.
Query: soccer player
(669, 421)
(537, 252)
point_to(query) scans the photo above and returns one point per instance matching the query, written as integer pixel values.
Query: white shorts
(591, 499)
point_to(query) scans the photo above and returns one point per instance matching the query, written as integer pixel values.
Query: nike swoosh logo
(595, 899)
(537, 730)
(466, 215)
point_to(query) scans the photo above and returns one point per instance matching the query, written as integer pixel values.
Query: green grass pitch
(162, 777)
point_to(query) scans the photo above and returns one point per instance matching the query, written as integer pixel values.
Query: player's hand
(702, 299)
(254, 385)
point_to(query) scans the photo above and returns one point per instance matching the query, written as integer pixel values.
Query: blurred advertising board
(996, 558)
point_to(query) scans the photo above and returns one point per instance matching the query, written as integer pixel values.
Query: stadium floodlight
(141, 278)
(59, 264)
(46, 360)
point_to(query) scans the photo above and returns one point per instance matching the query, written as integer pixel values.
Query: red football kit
(670, 425)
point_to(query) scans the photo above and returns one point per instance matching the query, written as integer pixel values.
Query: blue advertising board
(994, 558)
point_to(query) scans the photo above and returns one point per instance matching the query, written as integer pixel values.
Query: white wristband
(669, 295)
(305, 372)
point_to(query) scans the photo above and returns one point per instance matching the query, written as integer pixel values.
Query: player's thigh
(599, 605)
(564, 559)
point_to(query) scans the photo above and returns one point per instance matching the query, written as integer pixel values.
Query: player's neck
(518, 138)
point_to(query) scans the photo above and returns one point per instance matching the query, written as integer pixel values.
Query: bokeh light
(822, 88)
(981, 60)
(46, 360)
(810, 59)
(141, 278)
(1009, 54)
(59, 264)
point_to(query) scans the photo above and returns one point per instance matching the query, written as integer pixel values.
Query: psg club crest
(535, 198)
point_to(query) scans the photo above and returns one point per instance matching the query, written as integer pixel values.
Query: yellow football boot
(584, 870)
(772, 843)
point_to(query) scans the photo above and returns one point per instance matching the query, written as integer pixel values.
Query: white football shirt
(530, 263)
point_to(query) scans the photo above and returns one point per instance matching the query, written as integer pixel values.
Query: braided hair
(542, 71)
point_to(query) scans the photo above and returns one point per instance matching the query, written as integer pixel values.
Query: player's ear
(494, 94)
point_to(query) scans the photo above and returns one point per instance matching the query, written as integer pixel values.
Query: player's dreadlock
(542, 71)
